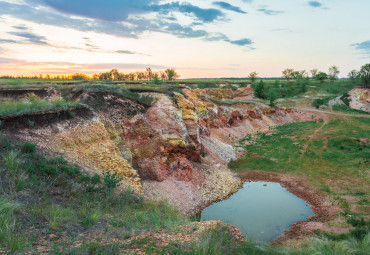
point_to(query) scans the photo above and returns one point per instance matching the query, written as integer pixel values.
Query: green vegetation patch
(42, 195)
(32, 104)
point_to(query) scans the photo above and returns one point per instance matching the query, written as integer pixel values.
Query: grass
(62, 199)
(332, 156)
(32, 104)
(220, 240)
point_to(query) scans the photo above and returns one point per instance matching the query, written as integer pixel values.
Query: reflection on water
(261, 210)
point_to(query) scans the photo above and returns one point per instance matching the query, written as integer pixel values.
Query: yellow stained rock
(92, 146)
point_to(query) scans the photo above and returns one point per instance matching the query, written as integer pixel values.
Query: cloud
(205, 15)
(31, 37)
(109, 10)
(115, 17)
(242, 42)
(7, 41)
(229, 7)
(269, 12)
(130, 52)
(315, 4)
(363, 47)
(21, 27)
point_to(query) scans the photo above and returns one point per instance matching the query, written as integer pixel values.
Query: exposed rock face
(360, 99)
(177, 149)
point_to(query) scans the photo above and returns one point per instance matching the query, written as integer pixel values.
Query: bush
(112, 181)
(28, 147)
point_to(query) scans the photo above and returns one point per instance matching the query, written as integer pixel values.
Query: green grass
(347, 109)
(32, 104)
(60, 198)
(333, 157)
(220, 241)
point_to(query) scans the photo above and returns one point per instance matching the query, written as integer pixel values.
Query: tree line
(168, 74)
(363, 75)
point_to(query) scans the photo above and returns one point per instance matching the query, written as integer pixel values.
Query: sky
(199, 38)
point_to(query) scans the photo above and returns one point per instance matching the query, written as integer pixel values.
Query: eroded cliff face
(177, 149)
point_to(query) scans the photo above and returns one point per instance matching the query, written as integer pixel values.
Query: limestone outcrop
(360, 99)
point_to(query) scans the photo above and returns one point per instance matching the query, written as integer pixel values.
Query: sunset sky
(199, 38)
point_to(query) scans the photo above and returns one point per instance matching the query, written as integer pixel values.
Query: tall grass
(8, 236)
(32, 104)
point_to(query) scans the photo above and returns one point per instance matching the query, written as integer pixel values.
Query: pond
(261, 210)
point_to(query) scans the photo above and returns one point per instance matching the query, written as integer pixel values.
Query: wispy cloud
(31, 37)
(269, 12)
(229, 7)
(242, 42)
(363, 47)
(315, 4)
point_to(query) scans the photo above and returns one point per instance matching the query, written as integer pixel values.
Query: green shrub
(112, 181)
(28, 147)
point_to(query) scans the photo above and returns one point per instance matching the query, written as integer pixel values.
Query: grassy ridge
(33, 104)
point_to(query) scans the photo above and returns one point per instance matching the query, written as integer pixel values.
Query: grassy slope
(330, 154)
(46, 202)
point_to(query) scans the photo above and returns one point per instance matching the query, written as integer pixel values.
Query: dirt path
(332, 113)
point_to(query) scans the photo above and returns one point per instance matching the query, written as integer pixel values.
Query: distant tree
(333, 73)
(353, 75)
(113, 74)
(288, 74)
(321, 76)
(171, 74)
(364, 74)
(156, 79)
(272, 96)
(259, 90)
(163, 75)
(313, 73)
(149, 73)
(95, 76)
(131, 76)
(78, 76)
(140, 75)
(303, 73)
(277, 84)
(47, 76)
(253, 76)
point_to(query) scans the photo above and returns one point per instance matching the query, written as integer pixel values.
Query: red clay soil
(322, 207)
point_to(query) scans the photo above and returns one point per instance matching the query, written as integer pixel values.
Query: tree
(156, 79)
(288, 74)
(149, 73)
(140, 75)
(313, 73)
(253, 76)
(259, 90)
(171, 74)
(163, 75)
(321, 76)
(353, 75)
(113, 74)
(364, 74)
(272, 96)
(131, 76)
(333, 73)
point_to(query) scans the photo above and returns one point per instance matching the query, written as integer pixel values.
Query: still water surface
(261, 210)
